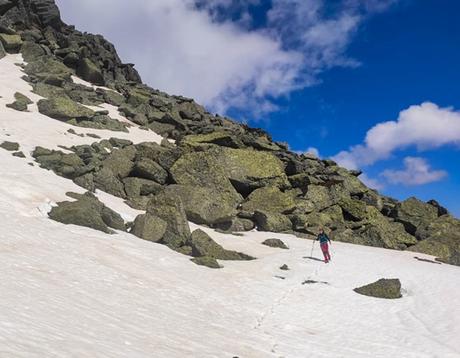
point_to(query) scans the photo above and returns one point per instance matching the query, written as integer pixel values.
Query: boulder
(204, 205)
(236, 225)
(277, 243)
(353, 210)
(171, 209)
(90, 72)
(269, 199)
(106, 180)
(284, 267)
(383, 288)
(48, 70)
(63, 108)
(135, 187)
(203, 245)
(120, 161)
(148, 169)
(217, 137)
(413, 213)
(440, 238)
(251, 169)
(87, 211)
(31, 51)
(319, 196)
(2, 51)
(11, 43)
(21, 102)
(149, 227)
(10, 146)
(272, 222)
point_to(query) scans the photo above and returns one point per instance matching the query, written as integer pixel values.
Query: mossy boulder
(441, 238)
(236, 225)
(383, 288)
(203, 245)
(220, 138)
(87, 211)
(2, 51)
(63, 108)
(11, 43)
(171, 209)
(135, 187)
(250, 169)
(48, 70)
(413, 213)
(204, 205)
(354, 210)
(10, 146)
(276, 243)
(270, 199)
(120, 161)
(149, 227)
(32, 51)
(148, 169)
(319, 196)
(68, 165)
(90, 72)
(273, 222)
(106, 180)
(21, 102)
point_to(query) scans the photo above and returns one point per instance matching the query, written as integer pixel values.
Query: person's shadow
(312, 258)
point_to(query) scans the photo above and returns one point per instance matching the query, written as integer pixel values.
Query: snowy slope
(68, 291)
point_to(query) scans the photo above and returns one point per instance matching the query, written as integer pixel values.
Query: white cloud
(187, 47)
(416, 172)
(425, 126)
(371, 182)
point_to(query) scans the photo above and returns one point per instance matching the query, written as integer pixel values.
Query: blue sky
(314, 73)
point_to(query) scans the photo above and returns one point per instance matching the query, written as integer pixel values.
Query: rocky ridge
(210, 169)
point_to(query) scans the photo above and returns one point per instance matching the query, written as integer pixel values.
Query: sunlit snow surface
(68, 291)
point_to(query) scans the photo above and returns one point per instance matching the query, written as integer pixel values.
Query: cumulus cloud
(416, 172)
(201, 49)
(425, 126)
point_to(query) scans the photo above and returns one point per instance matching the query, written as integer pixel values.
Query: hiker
(324, 243)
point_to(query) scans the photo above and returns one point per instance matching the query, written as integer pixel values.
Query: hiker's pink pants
(325, 250)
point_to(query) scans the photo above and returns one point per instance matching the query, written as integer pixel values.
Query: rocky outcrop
(277, 243)
(383, 288)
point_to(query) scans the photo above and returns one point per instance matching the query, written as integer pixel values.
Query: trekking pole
(312, 246)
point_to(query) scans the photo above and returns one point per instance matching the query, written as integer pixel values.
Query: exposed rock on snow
(383, 288)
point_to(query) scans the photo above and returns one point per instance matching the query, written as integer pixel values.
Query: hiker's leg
(324, 250)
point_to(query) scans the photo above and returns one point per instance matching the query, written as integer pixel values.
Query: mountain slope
(70, 290)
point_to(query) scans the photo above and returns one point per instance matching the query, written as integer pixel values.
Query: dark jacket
(323, 238)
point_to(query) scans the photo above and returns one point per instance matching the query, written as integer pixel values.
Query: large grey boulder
(204, 205)
(87, 211)
(383, 288)
(203, 245)
(171, 209)
(148, 169)
(63, 108)
(270, 199)
(413, 213)
(90, 72)
(149, 227)
(273, 222)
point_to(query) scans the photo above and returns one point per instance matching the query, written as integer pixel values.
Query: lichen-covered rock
(21, 102)
(63, 108)
(440, 238)
(272, 222)
(319, 196)
(2, 51)
(107, 181)
(90, 72)
(383, 288)
(171, 209)
(148, 169)
(48, 70)
(251, 169)
(413, 213)
(120, 161)
(87, 211)
(10, 146)
(32, 51)
(221, 138)
(204, 205)
(354, 210)
(203, 245)
(11, 43)
(276, 243)
(135, 187)
(236, 225)
(149, 227)
(269, 199)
